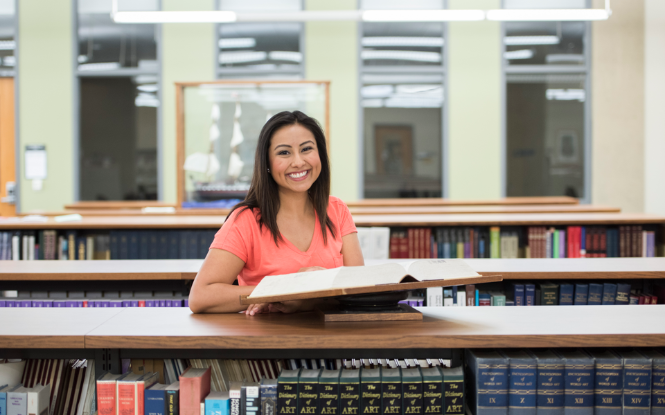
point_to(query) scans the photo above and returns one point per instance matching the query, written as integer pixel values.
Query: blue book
(608, 382)
(518, 290)
(521, 382)
(657, 381)
(144, 244)
(114, 247)
(192, 245)
(133, 241)
(123, 244)
(163, 244)
(623, 294)
(174, 245)
(530, 294)
(581, 294)
(217, 403)
(583, 241)
(182, 248)
(153, 245)
(155, 400)
(488, 382)
(609, 293)
(595, 294)
(549, 378)
(637, 371)
(566, 294)
(3, 399)
(454, 295)
(578, 379)
(268, 393)
(477, 298)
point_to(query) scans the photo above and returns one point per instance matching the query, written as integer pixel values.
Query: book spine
(608, 386)
(391, 397)
(155, 402)
(491, 385)
(349, 398)
(637, 386)
(190, 396)
(530, 294)
(287, 399)
(106, 397)
(453, 397)
(581, 294)
(308, 398)
(253, 401)
(522, 387)
(579, 387)
(412, 398)
(173, 402)
(17, 403)
(126, 399)
(658, 387)
(550, 389)
(268, 394)
(623, 294)
(432, 397)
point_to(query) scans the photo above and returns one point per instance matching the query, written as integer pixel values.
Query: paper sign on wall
(35, 162)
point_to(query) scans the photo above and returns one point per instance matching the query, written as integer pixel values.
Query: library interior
(323, 193)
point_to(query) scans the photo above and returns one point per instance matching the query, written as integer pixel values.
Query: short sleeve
(346, 224)
(235, 234)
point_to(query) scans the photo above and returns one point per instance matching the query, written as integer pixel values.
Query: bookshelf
(185, 269)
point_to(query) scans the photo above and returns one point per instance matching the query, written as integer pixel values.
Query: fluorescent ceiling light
(238, 42)
(376, 91)
(530, 40)
(82, 58)
(532, 15)
(518, 54)
(431, 90)
(9, 61)
(174, 17)
(7, 45)
(147, 88)
(564, 57)
(422, 15)
(101, 66)
(565, 95)
(399, 102)
(372, 103)
(242, 57)
(146, 100)
(402, 41)
(285, 56)
(402, 55)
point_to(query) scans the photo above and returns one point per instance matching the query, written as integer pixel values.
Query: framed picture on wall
(394, 149)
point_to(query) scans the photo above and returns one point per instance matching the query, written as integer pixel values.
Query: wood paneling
(7, 140)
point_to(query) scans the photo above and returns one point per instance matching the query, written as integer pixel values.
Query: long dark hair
(263, 193)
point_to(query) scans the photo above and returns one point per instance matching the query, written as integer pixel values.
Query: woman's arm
(351, 252)
(213, 290)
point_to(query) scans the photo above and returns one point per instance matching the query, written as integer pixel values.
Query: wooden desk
(412, 220)
(50, 328)
(186, 269)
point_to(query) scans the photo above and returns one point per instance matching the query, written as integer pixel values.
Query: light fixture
(518, 54)
(378, 41)
(285, 56)
(148, 88)
(530, 40)
(7, 45)
(564, 57)
(242, 57)
(422, 15)
(403, 55)
(565, 95)
(174, 17)
(236, 43)
(537, 15)
(376, 91)
(100, 66)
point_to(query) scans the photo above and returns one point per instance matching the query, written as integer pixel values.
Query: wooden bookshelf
(178, 329)
(216, 221)
(186, 269)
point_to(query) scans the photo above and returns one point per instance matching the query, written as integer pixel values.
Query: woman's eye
(307, 149)
(283, 153)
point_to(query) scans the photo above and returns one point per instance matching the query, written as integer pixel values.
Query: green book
(495, 241)
(287, 392)
(349, 391)
(329, 392)
(432, 390)
(453, 391)
(549, 294)
(308, 391)
(391, 391)
(412, 384)
(497, 299)
(370, 391)
(555, 244)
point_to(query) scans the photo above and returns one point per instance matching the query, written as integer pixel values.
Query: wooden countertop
(186, 269)
(445, 327)
(215, 222)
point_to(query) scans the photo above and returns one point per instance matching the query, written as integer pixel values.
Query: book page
(439, 269)
(300, 282)
(390, 273)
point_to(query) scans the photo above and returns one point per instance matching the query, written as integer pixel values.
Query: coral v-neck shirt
(242, 236)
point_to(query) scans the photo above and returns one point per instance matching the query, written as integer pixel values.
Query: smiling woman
(287, 223)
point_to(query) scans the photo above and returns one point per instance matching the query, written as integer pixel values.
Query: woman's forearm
(218, 298)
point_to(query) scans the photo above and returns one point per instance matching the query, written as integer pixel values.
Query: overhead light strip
(539, 15)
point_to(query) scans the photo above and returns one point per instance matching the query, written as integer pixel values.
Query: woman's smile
(298, 176)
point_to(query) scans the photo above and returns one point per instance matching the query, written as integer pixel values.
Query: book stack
(540, 381)
(87, 299)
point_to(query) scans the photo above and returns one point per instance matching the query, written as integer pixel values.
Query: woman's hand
(258, 309)
(286, 307)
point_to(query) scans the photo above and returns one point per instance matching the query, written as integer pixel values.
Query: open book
(366, 279)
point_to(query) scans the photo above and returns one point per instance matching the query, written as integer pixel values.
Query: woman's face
(294, 158)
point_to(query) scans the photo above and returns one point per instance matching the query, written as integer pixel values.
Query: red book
(130, 392)
(470, 295)
(642, 299)
(654, 299)
(84, 303)
(394, 246)
(141, 303)
(194, 387)
(404, 251)
(106, 394)
(428, 243)
(411, 238)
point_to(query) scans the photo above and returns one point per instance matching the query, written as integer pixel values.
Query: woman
(287, 223)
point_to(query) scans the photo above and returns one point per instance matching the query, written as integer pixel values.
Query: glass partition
(218, 129)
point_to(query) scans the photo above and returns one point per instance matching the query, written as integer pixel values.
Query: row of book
(565, 382)
(80, 245)
(524, 242)
(547, 293)
(9, 303)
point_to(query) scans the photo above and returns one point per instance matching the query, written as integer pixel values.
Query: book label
(413, 398)
(609, 385)
(309, 399)
(454, 397)
(392, 397)
(287, 398)
(371, 397)
(328, 398)
(349, 398)
(432, 398)
(579, 385)
(637, 385)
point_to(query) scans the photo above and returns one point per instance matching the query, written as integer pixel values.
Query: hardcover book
(521, 382)
(530, 294)
(235, 396)
(609, 293)
(518, 294)
(595, 294)
(38, 400)
(549, 382)
(578, 382)
(217, 403)
(453, 391)
(287, 392)
(173, 399)
(106, 393)
(328, 392)
(391, 391)
(549, 294)
(194, 387)
(608, 383)
(349, 396)
(657, 381)
(308, 388)
(637, 372)
(581, 294)
(412, 395)
(488, 382)
(370, 391)
(17, 401)
(623, 294)
(566, 294)
(432, 390)
(268, 395)
(250, 401)
(3, 396)
(155, 399)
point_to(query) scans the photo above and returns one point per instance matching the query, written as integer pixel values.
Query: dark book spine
(623, 294)
(566, 294)
(550, 397)
(269, 400)
(658, 388)
(579, 384)
(581, 294)
(370, 397)
(595, 294)
(252, 401)
(522, 387)
(530, 294)
(413, 398)
(608, 387)
(308, 398)
(349, 398)
(328, 399)
(113, 245)
(392, 397)
(287, 398)
(637, 387)
(144, 244)
(609, 293)
(173, 402)
(433, 398)
(454, 397)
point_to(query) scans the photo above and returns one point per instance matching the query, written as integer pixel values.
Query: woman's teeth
(298, 175)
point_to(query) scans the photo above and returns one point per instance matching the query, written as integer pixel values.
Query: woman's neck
(295, 205)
